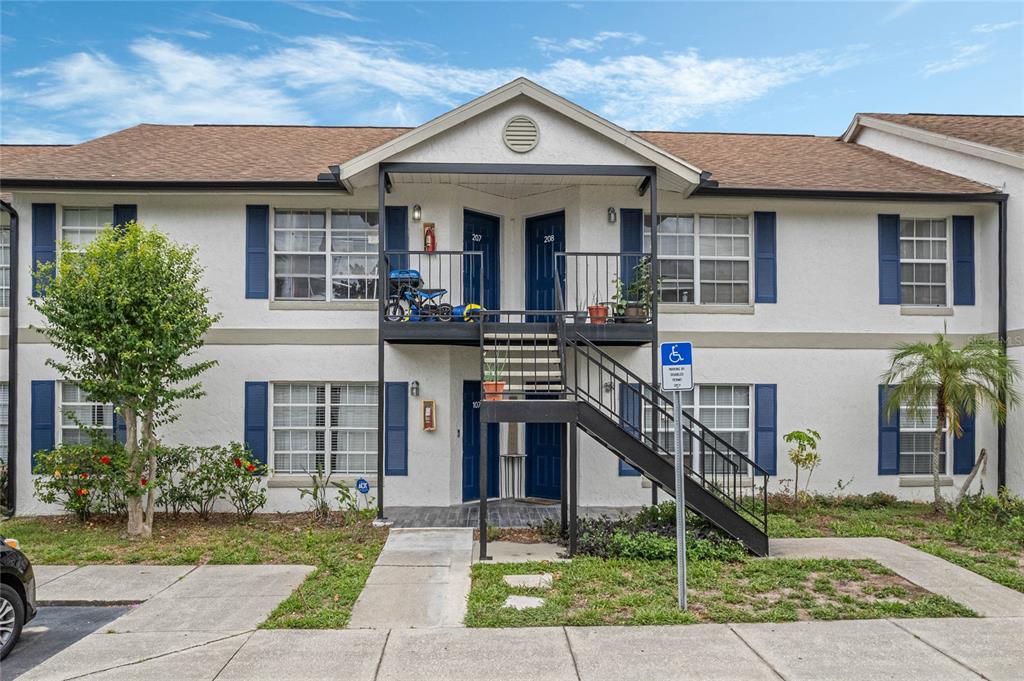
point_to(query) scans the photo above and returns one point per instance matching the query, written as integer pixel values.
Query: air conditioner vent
(521, 134)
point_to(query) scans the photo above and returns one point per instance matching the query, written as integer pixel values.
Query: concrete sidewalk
(983, 596)
(859, 650)
(421, 579)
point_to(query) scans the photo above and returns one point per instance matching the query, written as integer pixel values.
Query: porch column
(483, 483)
(381, 293)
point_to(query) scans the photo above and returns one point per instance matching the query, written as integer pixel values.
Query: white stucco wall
(1009, 180)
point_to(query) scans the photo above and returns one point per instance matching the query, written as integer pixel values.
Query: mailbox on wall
(429, 415)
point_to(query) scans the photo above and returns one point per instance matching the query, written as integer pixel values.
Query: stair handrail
(657, 400)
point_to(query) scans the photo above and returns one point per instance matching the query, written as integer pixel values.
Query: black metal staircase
(547, 354)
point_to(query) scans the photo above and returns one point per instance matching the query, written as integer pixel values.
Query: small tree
(955, 382)
(126, 312)
(803, 455)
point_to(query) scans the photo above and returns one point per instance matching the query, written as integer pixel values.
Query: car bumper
(30, 598)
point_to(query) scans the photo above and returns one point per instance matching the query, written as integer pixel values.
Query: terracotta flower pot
(598, 314)
(493, 390)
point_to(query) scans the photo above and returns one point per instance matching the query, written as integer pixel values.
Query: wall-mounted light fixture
(417, 213)
(611, 216)
(414, 388)
(608, 386)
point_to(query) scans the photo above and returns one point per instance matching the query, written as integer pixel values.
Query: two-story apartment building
(793, 263)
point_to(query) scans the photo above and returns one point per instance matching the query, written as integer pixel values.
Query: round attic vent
(521, 134)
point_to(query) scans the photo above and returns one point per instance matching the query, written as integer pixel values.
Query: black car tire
(13, 598)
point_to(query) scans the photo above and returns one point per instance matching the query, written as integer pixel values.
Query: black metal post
(565, 479)
(483, 485)
(381, 293)
(655, 294)
(574, 485)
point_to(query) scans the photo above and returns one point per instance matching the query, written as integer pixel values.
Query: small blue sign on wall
(362, 486)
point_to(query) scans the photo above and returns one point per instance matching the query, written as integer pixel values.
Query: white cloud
(899, 10)
(336, 80)
(994, 28)
(592, 44)
(235, 23)
(962, 57)
(324, 10)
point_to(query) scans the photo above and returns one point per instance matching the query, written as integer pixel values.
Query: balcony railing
(433, 286)
(610, 280)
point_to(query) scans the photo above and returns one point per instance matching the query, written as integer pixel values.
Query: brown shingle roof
(212, 153)
(804, 162)
(1003, 132)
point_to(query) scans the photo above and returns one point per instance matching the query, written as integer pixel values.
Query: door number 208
(549, 238)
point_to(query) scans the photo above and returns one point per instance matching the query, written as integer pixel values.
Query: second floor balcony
(438, 296)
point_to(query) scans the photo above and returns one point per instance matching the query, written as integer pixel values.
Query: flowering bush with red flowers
(84, 478)
(244, 488)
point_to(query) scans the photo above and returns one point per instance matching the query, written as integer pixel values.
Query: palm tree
(956, 382)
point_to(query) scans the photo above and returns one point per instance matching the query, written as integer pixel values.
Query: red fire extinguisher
(429, 240)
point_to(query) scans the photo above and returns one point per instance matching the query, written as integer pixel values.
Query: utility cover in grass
(523, 602)
(541, 581)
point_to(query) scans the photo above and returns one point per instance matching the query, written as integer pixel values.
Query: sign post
(677, 378)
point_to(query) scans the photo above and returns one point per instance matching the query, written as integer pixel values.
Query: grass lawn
(343, 555)
(991, 548)
(596, 591)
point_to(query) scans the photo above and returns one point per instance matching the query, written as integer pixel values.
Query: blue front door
(544, 460)
(545, 236)
(481, 233)
(471, 445)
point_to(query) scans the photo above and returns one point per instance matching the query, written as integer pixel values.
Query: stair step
(521, 336)
(528, 360)
(534, 374)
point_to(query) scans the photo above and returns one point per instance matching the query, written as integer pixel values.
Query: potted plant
(598, 312)
(494, 385)
(639, 294)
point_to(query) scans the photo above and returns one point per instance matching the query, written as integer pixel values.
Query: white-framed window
(5, 260)
(79, 226)
(924, 261)
(703, 259)
(309, 244)
(5, 406)
(917, 431)
(79, 412)
(332, 426)
(724, 409)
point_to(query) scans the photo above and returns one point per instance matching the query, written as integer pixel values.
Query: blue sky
(72, 71)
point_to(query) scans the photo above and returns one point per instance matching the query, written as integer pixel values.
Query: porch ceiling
(513, 186)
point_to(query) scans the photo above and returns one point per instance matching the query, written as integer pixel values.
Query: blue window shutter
(765, 445)
(396, 428)
(44, 237)
(888, 436)
(257, 251)
(963, 260)
(257, 394)
(765, 282)
(631, 240)
(963, 446)
(397, 234)
(44, 416)
(125, 213)
(888, 259)
(120, 429)
(630, 415)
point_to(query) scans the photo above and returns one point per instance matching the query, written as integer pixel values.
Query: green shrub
(1005, 509)
(174, 492)
(243, 485)
(86, 478)
(645, 545)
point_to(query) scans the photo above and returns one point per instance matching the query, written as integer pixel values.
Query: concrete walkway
(860, 650)
(421, 579)
(939, 576)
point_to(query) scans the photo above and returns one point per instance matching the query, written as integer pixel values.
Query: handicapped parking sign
(676, 366)
(362, 486)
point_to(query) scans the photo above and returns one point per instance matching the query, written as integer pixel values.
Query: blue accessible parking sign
(362, 486)
(676, 366)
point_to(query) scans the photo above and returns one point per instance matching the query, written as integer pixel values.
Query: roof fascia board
(190, 186)
(848, 195)
(504, 94)
(963, 146)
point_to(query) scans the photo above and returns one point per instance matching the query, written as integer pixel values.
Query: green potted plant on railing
(494, 383)
(632, 303)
